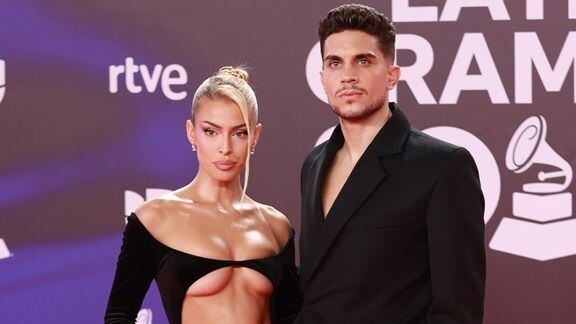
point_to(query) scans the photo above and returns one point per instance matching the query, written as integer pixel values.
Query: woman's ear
(190, 131)
(256, 136)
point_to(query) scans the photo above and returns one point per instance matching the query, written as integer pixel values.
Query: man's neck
(358, 134)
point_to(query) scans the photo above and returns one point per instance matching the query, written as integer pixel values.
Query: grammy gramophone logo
(542, 227)
(144, 316)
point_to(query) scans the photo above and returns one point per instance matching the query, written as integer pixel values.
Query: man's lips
(224, 165)
(349, 94)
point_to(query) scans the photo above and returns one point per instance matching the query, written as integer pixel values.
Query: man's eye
(363, 61)
(334, 64)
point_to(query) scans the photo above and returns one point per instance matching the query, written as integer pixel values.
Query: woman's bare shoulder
(154, 213)
(279, 223)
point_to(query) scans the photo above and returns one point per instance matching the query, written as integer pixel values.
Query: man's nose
(349, 75)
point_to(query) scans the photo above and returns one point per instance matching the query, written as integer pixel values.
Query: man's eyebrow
(364, 55)
(332, 58)
(220, 127)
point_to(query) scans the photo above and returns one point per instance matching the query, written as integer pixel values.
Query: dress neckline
(134, 217)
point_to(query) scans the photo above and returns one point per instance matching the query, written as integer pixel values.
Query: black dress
(143, 258)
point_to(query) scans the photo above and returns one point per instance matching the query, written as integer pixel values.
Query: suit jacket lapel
(366, 176)
(313, 219)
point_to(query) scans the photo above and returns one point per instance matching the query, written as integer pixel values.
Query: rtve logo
(133, 199)
(2, 79)
(4, 252)
(137, 75)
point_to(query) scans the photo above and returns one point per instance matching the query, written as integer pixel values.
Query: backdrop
(94, 96)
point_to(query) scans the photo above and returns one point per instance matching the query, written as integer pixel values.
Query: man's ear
(322, 80)
(393, 76)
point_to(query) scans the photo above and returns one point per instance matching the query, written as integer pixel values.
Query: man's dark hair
(362, 18)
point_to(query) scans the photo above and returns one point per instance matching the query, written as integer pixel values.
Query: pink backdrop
(94, 96)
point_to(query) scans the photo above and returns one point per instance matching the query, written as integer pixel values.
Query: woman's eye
(209, 132)
(241, 134)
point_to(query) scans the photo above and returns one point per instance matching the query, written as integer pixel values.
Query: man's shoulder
(422, 148)
(314, 153)
(420, 142)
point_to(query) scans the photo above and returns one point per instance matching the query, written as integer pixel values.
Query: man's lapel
(367, 175)
(364, 178)
(313, 219)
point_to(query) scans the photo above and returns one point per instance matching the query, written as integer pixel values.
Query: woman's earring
(193, 147)
(252, 150)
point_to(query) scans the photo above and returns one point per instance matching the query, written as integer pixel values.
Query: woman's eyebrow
(220, 127)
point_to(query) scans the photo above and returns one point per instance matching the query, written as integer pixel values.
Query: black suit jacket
(404, 239)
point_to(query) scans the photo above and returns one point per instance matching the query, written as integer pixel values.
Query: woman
(217, 255)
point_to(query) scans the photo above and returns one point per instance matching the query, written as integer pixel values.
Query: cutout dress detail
(143, 258)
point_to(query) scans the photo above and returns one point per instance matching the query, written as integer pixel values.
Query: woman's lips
(224, 165)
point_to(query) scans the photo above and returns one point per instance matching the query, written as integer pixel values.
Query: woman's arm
(135, 270)
(288, 297)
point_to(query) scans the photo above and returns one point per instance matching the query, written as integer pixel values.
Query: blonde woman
(217, 255)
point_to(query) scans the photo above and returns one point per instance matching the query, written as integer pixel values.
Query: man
(392, 219)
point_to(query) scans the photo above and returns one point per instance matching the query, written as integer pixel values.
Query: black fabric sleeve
(456, 243)
(288, 297)
(135, 270)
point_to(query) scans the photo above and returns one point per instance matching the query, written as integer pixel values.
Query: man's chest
(336, 177)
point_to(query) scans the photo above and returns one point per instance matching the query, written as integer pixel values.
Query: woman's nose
(225, 147)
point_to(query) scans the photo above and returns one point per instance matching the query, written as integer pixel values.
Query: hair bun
(237, 72)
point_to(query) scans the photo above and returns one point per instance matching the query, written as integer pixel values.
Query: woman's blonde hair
(231, 84)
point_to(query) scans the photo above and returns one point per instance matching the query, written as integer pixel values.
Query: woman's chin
(224, 176)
